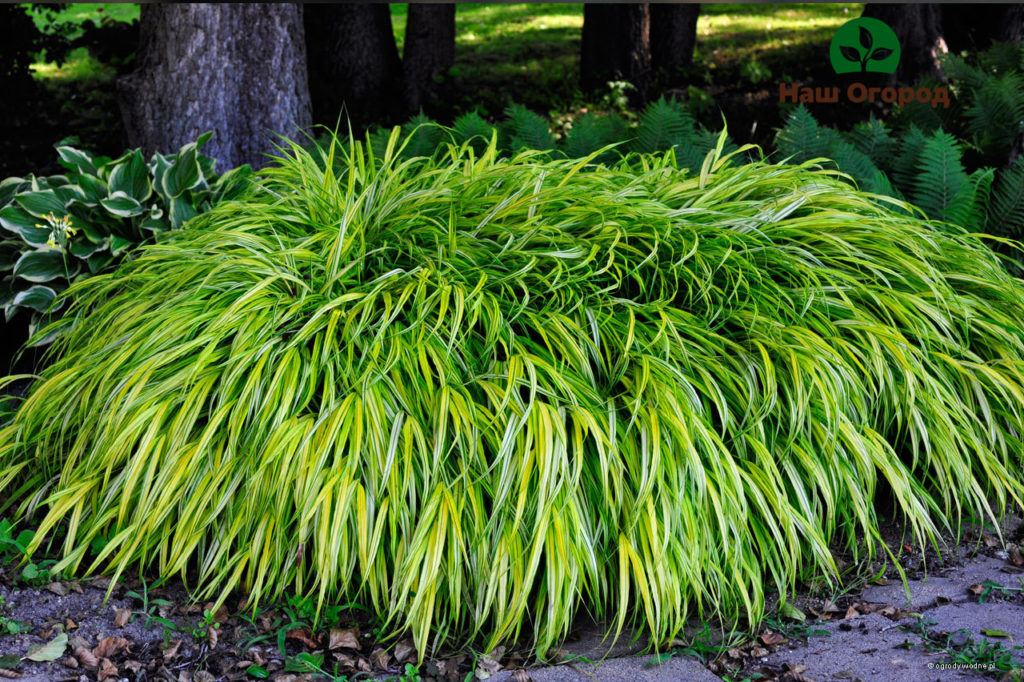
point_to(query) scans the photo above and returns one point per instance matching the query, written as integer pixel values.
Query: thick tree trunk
(353, 62)
(236, 69)
(673, 35)
(616, 46)
(428, 52)
(976, 26)
(919, 29)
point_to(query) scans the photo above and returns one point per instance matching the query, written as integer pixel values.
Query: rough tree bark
(919, 29)
(428, 52)
(976, 26)
(353, 62)
(236, 69)
(673, 35)
(616, 46)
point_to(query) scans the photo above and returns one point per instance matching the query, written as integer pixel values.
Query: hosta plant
(482, 395)
(58, 228)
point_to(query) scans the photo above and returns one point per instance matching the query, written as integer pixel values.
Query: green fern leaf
(663, 124)
(873, 139)
(425, 136)
(905, 162)
(942, 188)
(1006, 204)
(692, 155)
(473, 129)
(527, 130)
(591, 132)
(802, 139)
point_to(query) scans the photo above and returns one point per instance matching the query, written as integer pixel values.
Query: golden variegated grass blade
(482, 395)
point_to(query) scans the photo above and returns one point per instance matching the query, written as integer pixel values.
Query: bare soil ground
(963, 620)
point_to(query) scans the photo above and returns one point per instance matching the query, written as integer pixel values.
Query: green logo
(864, 45)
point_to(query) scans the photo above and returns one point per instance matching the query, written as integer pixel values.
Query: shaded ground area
(963, 620)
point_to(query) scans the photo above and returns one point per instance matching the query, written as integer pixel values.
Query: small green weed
(964, 651)
(13, 548)
(795, 629)
(10, 626)
(150, 609)
(991, 588)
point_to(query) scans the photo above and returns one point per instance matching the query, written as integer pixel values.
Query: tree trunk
(353, 62)
(429, 51)
(673, 36)
(919, 30)
(236, 69)
(976, 26)
(616, 46)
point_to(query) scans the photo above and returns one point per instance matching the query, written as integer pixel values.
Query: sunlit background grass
(530, 51)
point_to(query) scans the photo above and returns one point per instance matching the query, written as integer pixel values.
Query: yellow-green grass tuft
(482, 395)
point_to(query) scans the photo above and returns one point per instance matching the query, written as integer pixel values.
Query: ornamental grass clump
(479, 396)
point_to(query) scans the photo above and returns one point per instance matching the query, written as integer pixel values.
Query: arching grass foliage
(481, 395)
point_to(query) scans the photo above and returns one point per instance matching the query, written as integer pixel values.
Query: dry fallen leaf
(70, 662)
(79, 643)
(70, 624)
(303, 635)
(759, 652)
(110, 646)
(203, 676)
(58, 588)
(770, 638)
(107, 670)
(488, 664)
(851, 613)
(9, 674)
(172, 651)
(976, 588)
(134, 666)
(121, 617)
(521, 675)
(404, 650)
(1015, 555)
(345, 662)
(347, 639)
(380, 658)
(213, 634)
(86, 657)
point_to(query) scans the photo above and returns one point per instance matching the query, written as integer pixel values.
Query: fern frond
(692, 154)
(802, 139)
(857, 165)
(905, 162)
(592, 131)
(424, 136)
(957, 69)
(526, 129)
(996, 112)
(1006, 202)
(873, 138)
(474, 129)
(1001, 59)
(663, 124)
(942, 188)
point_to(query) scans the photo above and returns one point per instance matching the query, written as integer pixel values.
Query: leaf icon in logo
(850, 53)
(865, 38)
(879, 54)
